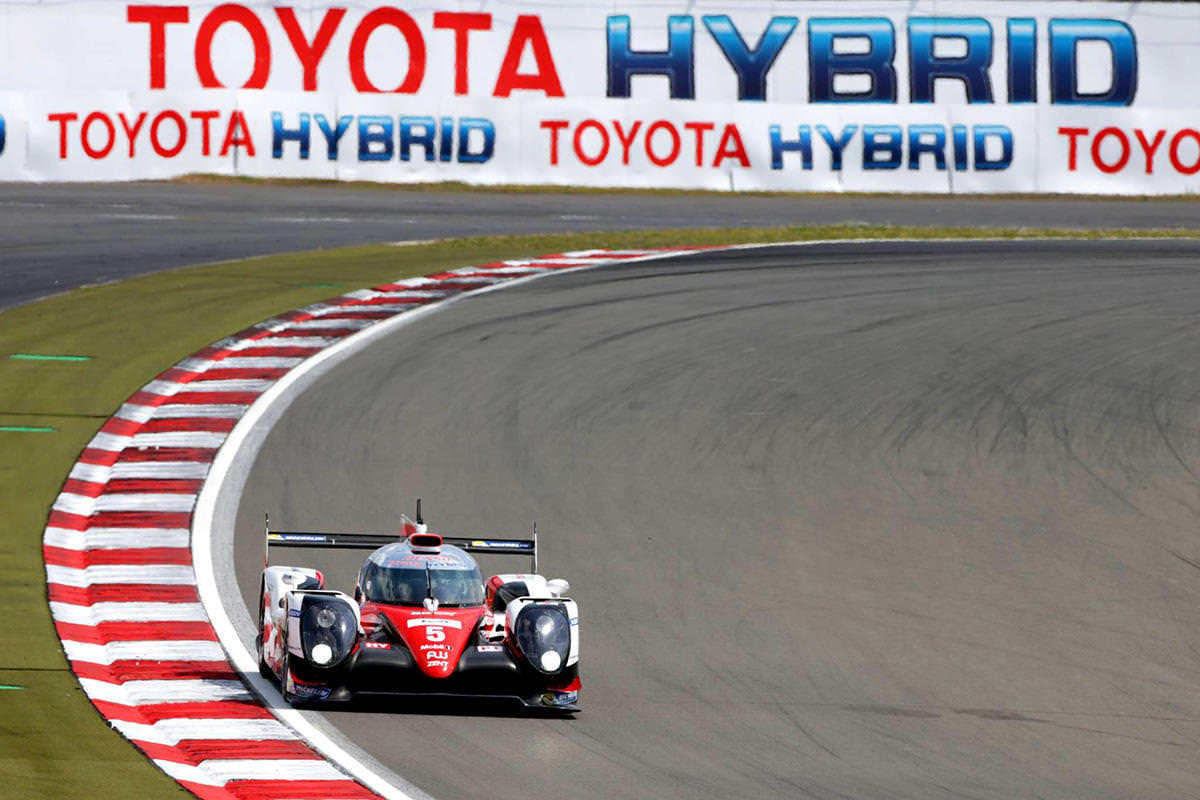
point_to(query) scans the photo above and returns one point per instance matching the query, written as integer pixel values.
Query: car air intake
(425, 543)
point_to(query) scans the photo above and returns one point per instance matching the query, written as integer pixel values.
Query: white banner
(787, 95)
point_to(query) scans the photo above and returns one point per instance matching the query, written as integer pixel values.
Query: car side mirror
(558, 586)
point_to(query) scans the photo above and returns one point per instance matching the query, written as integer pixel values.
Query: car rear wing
(372, 541)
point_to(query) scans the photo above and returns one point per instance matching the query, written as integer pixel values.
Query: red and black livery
(422, 621)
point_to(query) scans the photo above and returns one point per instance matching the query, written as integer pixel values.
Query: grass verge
(52, 743)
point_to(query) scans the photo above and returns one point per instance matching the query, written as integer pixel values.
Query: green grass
(52, 743)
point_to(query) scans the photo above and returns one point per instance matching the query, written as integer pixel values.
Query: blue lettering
(676, 62)
(376, 131)
(465, 126)
(918, 143)
(751, 66)
(280, 134)
(801, 145)
(3, 135)
(446, 140)
(886, 140)
(836, 146)
(982, 133)
(408, 138)
(333, 135)
(924, 68)
(1022, 60)
(1065, 35)
(959, 133)
(824, 64)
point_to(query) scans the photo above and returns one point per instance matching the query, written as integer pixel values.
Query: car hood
(436, 639)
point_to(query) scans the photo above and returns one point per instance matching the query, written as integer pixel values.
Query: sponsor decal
(559, 698)
(297, 537)
(489, 648)
(502, 545)
(419, 561)
(377, 645)
(422, 622)
(311, 692)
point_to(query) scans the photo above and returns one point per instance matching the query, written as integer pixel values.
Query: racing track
(847, 521)
(59, 236)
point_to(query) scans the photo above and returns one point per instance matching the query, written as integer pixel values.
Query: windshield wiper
(431, 602)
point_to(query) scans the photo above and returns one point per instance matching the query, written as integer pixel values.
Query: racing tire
(285, 672)
(264, 669)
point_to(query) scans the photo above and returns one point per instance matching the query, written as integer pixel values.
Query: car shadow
(439, 705)
(442, 706)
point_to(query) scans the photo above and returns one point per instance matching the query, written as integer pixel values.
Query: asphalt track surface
(55, 237)
(889, 520)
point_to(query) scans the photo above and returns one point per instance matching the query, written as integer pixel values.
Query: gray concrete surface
(863, 521)
(55, 237)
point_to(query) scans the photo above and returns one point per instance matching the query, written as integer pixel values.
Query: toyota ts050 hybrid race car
(422, 622)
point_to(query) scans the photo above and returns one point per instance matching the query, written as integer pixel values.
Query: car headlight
(543, 635)
(327, 630)
(322, 653)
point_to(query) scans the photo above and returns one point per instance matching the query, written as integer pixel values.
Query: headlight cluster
(327, 630)
(544, 635)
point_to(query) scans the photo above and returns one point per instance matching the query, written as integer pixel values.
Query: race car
(422, 621)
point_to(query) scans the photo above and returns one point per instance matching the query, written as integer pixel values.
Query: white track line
(234, 460)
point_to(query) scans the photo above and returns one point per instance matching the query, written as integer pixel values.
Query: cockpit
(398, 576)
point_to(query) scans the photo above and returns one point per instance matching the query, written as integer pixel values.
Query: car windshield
(409, 586)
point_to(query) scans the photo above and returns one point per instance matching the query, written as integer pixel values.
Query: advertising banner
(790, 95)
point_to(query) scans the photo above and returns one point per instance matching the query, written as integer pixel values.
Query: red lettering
(243, 16)
(700, 129)
(131, 133)
(626, 141)
(585, 125)
(528, 31)
(310, 53)
(1174, 153)
(62, 120)
(412, 36)
(1072, 148)
(1120, 163)
(97, 152)
(731, 147)
(662, 125)
(158, 18)
(237, 122)
(205, 139)
(181, 140)
(1149, 148)
(552, 125)
(462, 24)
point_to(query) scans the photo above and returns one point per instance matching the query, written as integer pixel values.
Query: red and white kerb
(122, 589)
